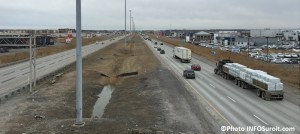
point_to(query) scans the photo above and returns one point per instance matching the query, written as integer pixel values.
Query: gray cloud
(152, 14)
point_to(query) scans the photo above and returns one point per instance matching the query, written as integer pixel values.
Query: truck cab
(219, 65)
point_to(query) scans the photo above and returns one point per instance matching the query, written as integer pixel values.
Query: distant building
(227, 37)
(293, 35)
(202, 36)
(257, 41)
(265, 32)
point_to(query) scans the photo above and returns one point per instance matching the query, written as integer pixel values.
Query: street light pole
(130, 20)
(79, 121)
(267, 49)
(125, 27)
(248, 46)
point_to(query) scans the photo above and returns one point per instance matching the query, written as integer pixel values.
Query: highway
(238, 107)
(17, 75)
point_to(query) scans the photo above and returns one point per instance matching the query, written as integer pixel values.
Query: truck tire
(227, 76)
(239, 83)
(236, 82)
(242, 84)
(263, 95)
(258, 93)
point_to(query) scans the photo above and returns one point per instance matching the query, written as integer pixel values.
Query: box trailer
(182, 53)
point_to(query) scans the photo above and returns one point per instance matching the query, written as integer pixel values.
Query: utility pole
(133, 25)
(125, 27)
(32, 62)
(248, 46)
(130, 20)
(267, 49)
(170, 30)
(79, 121)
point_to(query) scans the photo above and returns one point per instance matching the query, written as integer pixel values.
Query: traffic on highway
(16, 76)
(238, 107)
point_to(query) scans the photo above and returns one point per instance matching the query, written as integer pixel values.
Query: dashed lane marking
(260, 119)
(231, 99)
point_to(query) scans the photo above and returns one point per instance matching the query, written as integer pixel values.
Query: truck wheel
(243, 85)
(216, 71)
(263, 95)
(236, 82)
(258, 93)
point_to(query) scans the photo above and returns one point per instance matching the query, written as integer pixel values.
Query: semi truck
(268, 87)
(182, 53)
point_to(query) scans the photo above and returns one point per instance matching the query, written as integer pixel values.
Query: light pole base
(79, 124)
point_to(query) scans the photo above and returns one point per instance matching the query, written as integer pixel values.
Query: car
(155, 43)
(277, 61)
(287, 55)
(162, 51)
(189, 73)
(286, 61)
(294, 55)
(161, 43)
(280, 55)
(155, 46)
(196, 67)
(158, 49)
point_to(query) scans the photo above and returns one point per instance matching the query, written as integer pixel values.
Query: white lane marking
(231, 99)
(260, 119)
(212, 85)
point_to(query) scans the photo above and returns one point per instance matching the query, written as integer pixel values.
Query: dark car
(196, 67)
(161, 43)
(155, 43)
(158, 49)
(189, 73)
(162, 51)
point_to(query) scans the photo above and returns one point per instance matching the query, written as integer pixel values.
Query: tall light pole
(267, 49)
(79, 121)
(130, 20)
(170, 30)
(125, 27)
(133, 25)
(248, 47)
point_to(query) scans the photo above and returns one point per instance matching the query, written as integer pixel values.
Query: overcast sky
(151, 14)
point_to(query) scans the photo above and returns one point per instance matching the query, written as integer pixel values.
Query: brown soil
(289, 74)
(137, 104)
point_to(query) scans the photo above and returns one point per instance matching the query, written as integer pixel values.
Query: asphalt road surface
(16, 76)
(238, 107)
